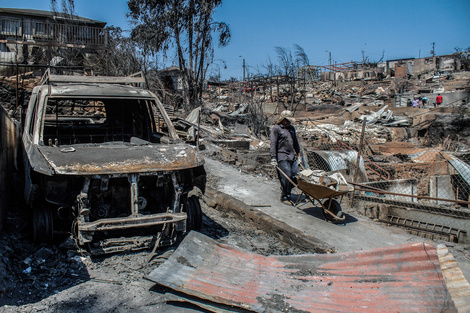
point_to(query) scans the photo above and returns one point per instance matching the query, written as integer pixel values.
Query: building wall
(424, 65)
(400, 70)
(446, 63)
(21, 33)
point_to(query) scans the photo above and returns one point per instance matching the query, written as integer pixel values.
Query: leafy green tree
(187, 26)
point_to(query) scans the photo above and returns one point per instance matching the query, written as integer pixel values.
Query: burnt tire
(334, 208)
(192, 208)
(43, 224)
(197, 213)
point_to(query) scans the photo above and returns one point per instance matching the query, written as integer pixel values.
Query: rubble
(335, 181)
(402, 148)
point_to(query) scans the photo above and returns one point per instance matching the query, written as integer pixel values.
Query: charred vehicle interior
(104, 164)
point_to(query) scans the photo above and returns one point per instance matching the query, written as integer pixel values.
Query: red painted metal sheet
(405, 278)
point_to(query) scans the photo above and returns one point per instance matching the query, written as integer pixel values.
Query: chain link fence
(425, 190)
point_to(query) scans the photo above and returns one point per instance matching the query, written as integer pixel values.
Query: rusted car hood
(120, 158)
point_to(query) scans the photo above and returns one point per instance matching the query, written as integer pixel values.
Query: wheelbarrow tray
(318, 191)
(331, 208)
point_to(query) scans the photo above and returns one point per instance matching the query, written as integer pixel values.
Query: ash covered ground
(56, 278)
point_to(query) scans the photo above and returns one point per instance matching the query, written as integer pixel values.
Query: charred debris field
(410, 175)
(31, 273)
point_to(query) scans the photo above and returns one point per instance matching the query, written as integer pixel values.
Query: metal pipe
(376, 190)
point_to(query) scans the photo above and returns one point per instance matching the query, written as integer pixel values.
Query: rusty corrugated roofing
(405, 278)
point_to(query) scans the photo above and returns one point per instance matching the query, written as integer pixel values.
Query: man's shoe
(286, 200)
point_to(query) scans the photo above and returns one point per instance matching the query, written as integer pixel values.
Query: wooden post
(359, 153)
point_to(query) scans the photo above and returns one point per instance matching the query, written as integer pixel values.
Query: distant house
(172, 78)
(401, 68)
(309, 73)
(447, 63)
(26, 32)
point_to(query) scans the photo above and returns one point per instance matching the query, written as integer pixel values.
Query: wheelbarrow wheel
(334, 208)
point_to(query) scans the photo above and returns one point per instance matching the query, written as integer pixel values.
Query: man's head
(286, 118)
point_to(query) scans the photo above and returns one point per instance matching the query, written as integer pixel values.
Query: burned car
(103, 162)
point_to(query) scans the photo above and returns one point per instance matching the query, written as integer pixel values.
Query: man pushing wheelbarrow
(285, 153)
(285, 156)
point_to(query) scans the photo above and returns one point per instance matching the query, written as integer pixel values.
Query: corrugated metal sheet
(405, 278)
(461, 167)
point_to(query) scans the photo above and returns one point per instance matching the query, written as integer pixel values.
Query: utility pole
(329, 74)
(334, 72)
(243, 69)
(305, 91)
(363, 61)
(218, 91)
(433, 52)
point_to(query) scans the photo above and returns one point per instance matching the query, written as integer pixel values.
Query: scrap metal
(404, 278)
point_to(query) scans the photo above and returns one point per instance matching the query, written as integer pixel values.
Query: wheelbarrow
(331, 208)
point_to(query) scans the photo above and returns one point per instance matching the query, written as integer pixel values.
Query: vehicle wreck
(102, 161)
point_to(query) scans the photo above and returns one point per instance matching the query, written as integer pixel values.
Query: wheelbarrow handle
(288, 178)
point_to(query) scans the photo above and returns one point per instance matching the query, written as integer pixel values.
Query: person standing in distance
(438, 100)
(285, 152)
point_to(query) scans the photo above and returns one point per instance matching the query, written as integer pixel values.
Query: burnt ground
(56, 278)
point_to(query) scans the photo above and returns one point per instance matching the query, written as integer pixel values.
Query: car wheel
(43, 226)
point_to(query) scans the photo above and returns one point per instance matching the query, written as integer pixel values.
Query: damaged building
(34, 38)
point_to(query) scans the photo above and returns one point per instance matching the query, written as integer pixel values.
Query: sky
(347, 29)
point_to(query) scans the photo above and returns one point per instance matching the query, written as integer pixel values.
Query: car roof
(91, 90)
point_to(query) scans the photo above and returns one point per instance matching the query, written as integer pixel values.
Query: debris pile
(32, 272)
(335, 180)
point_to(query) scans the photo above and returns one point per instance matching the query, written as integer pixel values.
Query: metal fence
(11, 29)
(425, 190)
